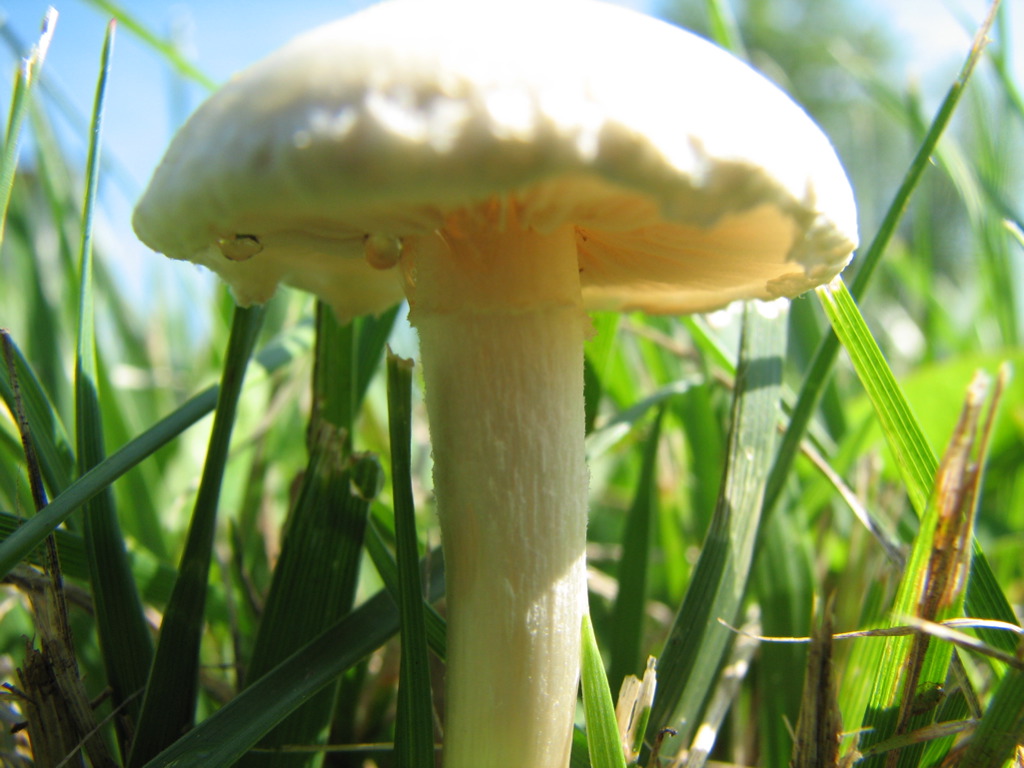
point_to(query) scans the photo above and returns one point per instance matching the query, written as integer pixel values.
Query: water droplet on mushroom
(382, 251)
(240, 247)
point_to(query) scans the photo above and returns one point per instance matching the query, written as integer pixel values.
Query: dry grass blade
(946, 631)
(956, 494)
(59, 715)
(820, 725)
(955, 497)
(633, 709)
(920, 736)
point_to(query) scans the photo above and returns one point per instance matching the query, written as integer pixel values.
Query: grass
(866, 479)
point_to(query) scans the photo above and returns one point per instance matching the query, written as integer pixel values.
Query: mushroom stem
(501, 333)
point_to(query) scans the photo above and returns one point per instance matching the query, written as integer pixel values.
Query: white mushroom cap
(691, 180)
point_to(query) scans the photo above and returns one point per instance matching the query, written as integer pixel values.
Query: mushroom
(505, 167)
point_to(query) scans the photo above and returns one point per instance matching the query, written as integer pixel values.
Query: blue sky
(223, 37)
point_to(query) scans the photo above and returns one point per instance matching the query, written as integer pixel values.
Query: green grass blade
(372, 334)
(918, 466)
(169, 704)
(1001, 729)
(1002, 60)
(918, 463)
(914, 456)
(820, 367)
(701, 411)
(49, 302)
(414, 724)
(387, 568)
(892, 659)
(986, 599)
(124, 416)
(155, 577)
(314, 583)
(688, 666)
(26, 78)
(627, 620)
(33, 531)
(31, 534)
(323, 539)
(724, 29)
(124, 635)
(56, 456)
(580, 756)
(347, 357)
(602, 728)
(914, 660)
(221, 739)
(598, 352)
(334, 372)
(783, 584)
(86, 352)
(70, 549)
(166, 50)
